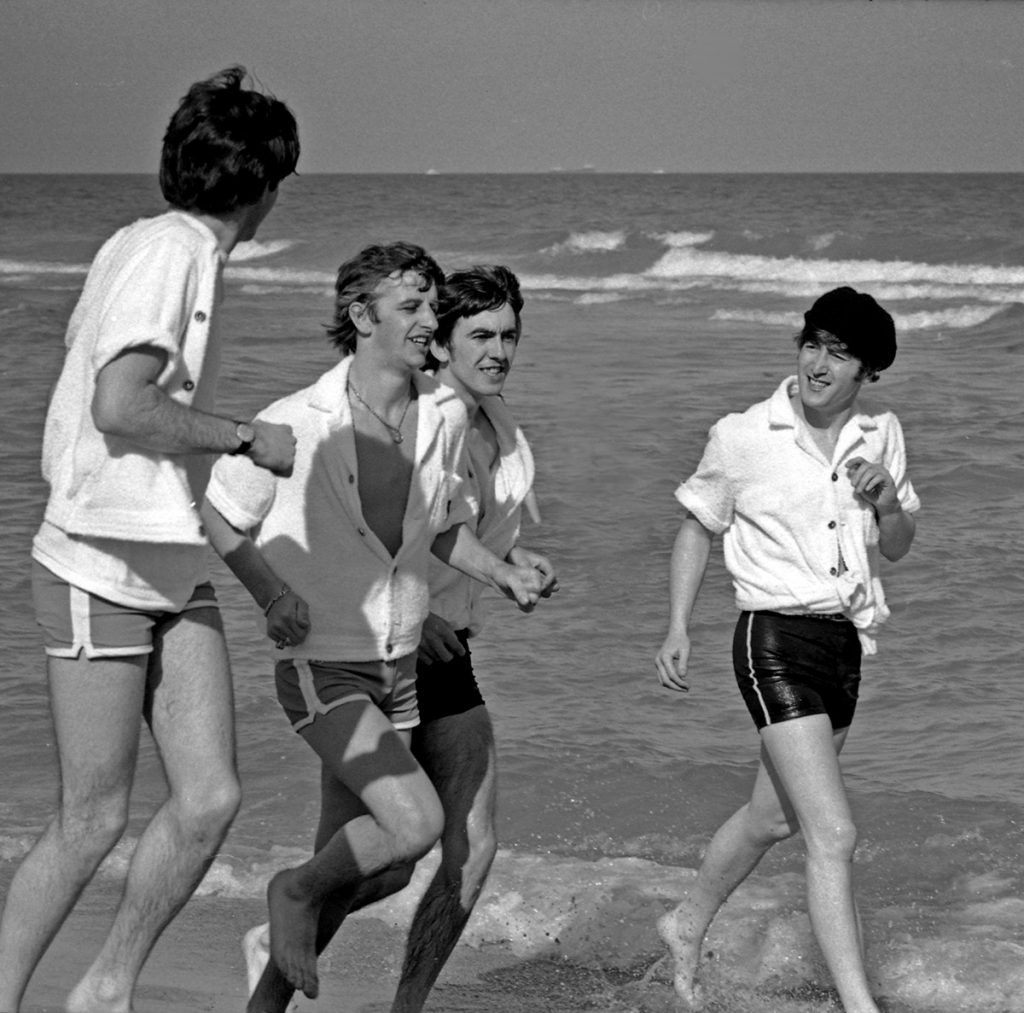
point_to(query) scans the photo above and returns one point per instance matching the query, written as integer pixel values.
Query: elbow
(894, 551)
(106, 418)
(109, 414)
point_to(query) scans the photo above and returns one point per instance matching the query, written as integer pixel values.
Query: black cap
(859, 323)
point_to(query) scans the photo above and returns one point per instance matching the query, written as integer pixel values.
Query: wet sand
(198, 965)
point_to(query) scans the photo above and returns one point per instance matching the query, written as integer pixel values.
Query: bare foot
(256, 950)
(679, 933)
(293, 923)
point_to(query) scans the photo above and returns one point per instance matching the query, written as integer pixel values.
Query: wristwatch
(246, 438)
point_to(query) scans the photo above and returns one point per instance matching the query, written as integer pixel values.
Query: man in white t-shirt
(129, 618)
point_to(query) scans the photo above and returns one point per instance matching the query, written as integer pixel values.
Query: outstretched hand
(520, 556)
(523, 584)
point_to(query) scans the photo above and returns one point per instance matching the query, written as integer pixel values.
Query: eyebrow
(481, 329)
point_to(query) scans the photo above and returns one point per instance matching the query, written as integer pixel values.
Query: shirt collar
(782, 416)
(200, 227)
(328, 393)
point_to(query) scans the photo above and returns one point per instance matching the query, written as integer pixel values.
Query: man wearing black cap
(807, 489)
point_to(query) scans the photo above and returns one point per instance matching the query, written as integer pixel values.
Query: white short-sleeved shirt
(155, 283)
(365, 604)
(796, 538)
(500, 492)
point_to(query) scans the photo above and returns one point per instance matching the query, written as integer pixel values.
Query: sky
(531, 85)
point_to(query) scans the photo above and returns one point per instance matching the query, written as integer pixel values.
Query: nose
(428, 317)
(496, 348)
(819, 360)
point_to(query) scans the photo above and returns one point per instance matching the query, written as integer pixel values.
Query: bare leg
(808, 768)
(458, 754)
(191, 713)
(400, 820)
(734, 852)
(269, 990)
(97, 711)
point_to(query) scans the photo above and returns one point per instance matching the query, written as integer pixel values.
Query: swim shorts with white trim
(73, 620)
(792, 666)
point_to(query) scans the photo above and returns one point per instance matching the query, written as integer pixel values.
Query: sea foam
(601, 914)
(589, 242)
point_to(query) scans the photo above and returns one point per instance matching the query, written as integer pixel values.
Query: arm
(689, 561)
(896, 528)
(128, 404)
(287, 614)
(459, 547)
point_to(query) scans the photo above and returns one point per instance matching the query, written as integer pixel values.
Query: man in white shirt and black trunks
(808, 489)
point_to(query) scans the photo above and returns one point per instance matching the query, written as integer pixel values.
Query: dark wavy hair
(226, 145)
(475, 290)
(359, 277)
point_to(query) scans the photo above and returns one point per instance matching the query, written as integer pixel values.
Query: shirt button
(351, 479)
(833, 571)
(189, 385)
(200, 316)
(835, 476)
(831, 524)
(361, 531)
(389, 648)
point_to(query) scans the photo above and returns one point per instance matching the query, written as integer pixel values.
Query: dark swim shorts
(445, 688)
(794, 666)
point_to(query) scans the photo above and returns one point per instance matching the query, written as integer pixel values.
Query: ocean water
(655, 304)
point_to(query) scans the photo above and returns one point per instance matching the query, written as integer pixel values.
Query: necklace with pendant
(395, 431)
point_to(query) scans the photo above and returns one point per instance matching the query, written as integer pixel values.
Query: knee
(420, 830)
(95, 824)
(209, 810)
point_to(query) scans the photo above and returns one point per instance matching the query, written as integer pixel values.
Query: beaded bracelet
(285, 589)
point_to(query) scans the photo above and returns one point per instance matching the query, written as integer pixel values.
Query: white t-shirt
(155, 283)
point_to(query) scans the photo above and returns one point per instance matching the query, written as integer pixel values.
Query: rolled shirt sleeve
(708, 493)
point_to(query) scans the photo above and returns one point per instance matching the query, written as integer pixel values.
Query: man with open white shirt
(808, 489)
(338, 562)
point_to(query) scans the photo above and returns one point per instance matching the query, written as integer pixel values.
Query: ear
(439, 352)
(359, 314)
